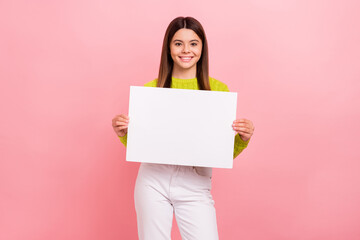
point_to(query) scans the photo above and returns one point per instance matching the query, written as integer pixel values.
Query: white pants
(162, 190)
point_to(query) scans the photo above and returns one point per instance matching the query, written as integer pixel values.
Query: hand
(120, 124)
(245, 128)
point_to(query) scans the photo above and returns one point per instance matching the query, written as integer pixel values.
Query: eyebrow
(182, 41)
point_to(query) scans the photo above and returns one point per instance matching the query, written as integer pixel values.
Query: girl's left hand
(244, 127)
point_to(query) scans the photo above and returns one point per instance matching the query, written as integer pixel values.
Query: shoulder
(151, 83)
(217, 85)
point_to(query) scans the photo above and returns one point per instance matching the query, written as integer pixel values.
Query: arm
(123, 139)
(239, 145)
(243, 127)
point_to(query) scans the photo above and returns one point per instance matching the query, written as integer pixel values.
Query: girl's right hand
(120, 124)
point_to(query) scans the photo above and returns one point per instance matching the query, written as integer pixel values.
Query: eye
(194, 44)
(177, 44)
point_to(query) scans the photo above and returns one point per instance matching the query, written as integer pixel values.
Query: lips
(185, 58)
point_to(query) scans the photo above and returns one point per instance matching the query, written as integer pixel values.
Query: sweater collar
(178, 80)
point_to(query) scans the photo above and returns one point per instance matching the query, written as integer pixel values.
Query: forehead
(185, 34)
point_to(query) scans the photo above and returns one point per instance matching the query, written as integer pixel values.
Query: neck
(184, 73)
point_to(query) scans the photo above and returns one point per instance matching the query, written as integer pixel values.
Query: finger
(121, 128)
(119, 119)
(241, 120)
(251, 128)
(121, 116)
(248, 125)
(242, 125)
(124, 116)
(243, 130)
(245, 134)
(120, 123)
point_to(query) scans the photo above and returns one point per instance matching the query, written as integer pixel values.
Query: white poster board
(181, 127)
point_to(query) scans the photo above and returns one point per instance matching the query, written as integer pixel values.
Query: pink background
(66, 68)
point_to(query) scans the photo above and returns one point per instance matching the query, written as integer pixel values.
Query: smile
(186, 59)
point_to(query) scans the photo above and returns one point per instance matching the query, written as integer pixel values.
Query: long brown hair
(167, 63)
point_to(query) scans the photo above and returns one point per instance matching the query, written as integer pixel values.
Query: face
(185, 48)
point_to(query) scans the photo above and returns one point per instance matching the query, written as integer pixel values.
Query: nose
(186, 48)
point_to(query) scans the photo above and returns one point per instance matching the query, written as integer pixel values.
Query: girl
(163, 190)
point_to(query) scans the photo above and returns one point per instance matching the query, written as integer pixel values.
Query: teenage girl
(162, 190)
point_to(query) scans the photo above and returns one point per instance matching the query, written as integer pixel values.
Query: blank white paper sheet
(181, 127)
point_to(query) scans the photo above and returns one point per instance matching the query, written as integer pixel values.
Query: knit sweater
(215, 85)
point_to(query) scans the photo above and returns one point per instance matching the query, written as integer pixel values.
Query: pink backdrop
(66, 68)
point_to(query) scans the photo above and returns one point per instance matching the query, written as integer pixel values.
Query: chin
(182, 65)
(187, 67)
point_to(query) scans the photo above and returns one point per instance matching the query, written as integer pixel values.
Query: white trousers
(162, 190)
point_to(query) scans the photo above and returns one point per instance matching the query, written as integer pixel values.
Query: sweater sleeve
(152, 83)
(123, 139)
(239, 144)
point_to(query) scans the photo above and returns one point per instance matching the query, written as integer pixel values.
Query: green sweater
(215, 85)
